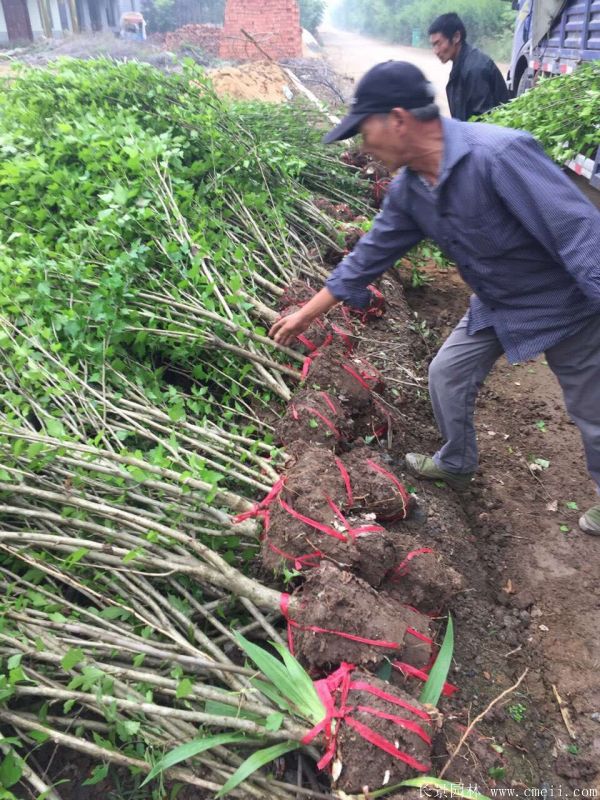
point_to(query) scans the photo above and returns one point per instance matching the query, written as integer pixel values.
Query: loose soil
(531, 597)
(363, 765)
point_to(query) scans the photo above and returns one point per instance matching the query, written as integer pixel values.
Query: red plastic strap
(353, 532)
(383, 744)
(295, 409)
(397, 484)
(344, 336)
(402, 568)
(299, 561)
(413, 672)
(363, 686)
(419, 635)
(306, 342)
(320, 526)
(306, 365)
(346, 479)
(329, 402)
(262, 508)
(409, 724)
(350, 636)
(351, 371)
(340, 681)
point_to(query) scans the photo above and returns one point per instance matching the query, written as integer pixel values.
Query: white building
(22, 21)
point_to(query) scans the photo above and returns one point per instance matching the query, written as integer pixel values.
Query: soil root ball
(422, 577)
(376, 489)
(311, 520)
(314, 417)
(349, 377)
(365, 764)
(337, 602)
(315, 336)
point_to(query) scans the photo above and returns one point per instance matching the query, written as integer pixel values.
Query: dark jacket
(476, 84)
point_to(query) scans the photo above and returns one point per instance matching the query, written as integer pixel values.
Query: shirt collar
(456, 148)
(457, 65)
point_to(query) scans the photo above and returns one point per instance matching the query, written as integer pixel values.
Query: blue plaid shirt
(524, 238)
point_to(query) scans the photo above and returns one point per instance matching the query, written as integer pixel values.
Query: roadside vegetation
(489, 23)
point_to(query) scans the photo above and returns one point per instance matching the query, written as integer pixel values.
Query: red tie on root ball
(338, 617)
(423, 577)
(310, 517)
(394, 730)
(314, 417)
(351, 379)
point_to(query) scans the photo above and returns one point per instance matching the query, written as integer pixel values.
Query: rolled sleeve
(391, 236)
(552, 210)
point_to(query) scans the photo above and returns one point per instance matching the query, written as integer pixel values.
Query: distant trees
(489, 23)
(311, 13)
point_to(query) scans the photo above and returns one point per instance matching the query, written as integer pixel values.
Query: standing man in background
(476, 84)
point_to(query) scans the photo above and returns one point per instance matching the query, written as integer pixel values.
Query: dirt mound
(340, 618)
(310, 520)
(314, 417)
(260, 80)
(400, 723)
(422, 577)
(204, 37)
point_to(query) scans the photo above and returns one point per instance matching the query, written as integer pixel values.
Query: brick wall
(274, 24)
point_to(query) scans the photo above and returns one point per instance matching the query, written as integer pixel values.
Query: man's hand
(286, 329)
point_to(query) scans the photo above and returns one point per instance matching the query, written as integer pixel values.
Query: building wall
(35, 20)
(3, 31)
(274, 24)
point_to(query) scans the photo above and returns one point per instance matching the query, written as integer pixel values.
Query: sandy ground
(352, 54)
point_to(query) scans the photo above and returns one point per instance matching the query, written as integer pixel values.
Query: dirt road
(352, 54)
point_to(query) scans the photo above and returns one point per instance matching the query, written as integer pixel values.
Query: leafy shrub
(561, 112)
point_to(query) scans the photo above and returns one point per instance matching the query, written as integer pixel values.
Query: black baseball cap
(392, 84)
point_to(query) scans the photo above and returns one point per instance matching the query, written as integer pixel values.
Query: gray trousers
(461, 366)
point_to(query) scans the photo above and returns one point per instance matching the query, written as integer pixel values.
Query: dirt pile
(261, 80)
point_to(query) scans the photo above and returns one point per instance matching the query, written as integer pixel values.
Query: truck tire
(525, 83)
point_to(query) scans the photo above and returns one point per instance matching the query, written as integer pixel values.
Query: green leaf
(225, 710)
(10, 770)
(184, 688)
(190, 749)
(14, 660)
(292, 685)
(434, 686)
(254, 762)
(99, 773)
(274, 721)
(55, 428)
(72, 658)
(572, 506)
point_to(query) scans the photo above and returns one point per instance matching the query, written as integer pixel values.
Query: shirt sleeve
(551, 209)
(391, 236)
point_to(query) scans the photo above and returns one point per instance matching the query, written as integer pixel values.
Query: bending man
(523, 237)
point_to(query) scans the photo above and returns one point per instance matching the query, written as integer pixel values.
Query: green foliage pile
(487, 21)
(561, 112)
(146, 231)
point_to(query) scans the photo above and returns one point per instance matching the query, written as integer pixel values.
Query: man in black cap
(523, 238)
(476, 84)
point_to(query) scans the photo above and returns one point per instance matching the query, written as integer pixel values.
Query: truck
(552, 37)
